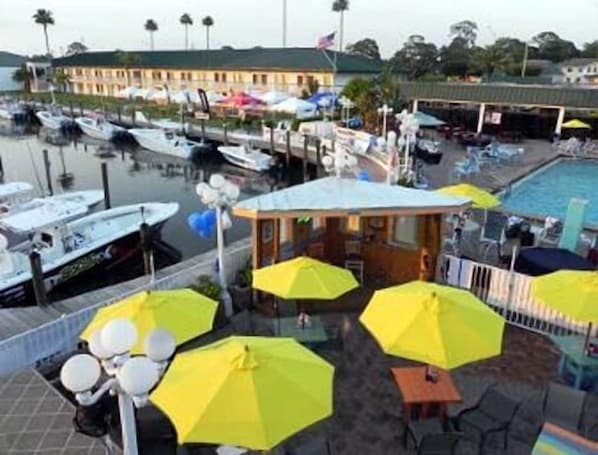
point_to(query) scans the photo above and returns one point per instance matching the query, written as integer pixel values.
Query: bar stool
(353, 260)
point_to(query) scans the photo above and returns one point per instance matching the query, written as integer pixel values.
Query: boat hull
(100, 260)
(260, 165)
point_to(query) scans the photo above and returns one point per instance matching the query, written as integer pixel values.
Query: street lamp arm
(88, 398)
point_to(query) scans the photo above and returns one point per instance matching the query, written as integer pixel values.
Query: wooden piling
(146, 246)
(288, 148)
(48, 175)
(81, 109)
(318, 157)
(203, 129)
(305, 156)
(106, 185)
(119, 113)
(272, 141)
(37, 279)
(225, 129)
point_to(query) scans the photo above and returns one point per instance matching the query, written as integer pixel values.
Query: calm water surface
(135, 176)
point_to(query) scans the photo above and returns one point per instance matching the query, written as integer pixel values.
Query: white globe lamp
(159, 345)
(96, 347)
(217, 181)
(201, 188)
(119, 336)
(80, 373)
(138, 375)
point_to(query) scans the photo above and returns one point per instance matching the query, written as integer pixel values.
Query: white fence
(60, 337)
(508, 293)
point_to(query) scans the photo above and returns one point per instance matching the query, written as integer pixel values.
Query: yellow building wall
(86, 80)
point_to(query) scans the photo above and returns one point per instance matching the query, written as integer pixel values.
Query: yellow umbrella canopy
(576, 124)
(433, 324)
(304, 278)
(573, 293)
(481, 199)
(185, 313)
(251, 392)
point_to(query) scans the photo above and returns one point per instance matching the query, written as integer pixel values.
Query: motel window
(299, 80)
(183, 76)
(405, 231)
(99, 88)
(254, 79)
(351, 224)
(169, 76)
(79, 72)
(189, 76)
(136, 74)
(264, 79)
(216, 77)
(223, 77)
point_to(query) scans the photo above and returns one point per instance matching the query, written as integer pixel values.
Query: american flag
(326, 41)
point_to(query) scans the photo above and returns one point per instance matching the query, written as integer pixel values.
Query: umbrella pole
(587, 339)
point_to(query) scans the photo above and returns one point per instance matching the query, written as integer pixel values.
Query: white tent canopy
(184, 96)
(158, 95)
(128, 92)
(273, 97)
(297, 107)
(214, 97)
(145, 93)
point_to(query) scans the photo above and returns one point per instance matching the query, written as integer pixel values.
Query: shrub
(208, 287)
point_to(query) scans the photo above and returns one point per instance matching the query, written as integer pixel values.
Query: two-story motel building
(287, 70)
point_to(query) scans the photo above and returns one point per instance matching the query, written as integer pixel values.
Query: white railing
(509, 294)
(60, 336)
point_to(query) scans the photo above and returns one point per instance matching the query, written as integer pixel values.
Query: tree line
(419, 59)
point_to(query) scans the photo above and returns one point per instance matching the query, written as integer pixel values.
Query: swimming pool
(547, 191)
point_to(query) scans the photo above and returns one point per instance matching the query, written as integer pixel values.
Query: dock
(29, 336)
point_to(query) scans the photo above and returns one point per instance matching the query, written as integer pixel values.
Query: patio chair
(493, 234)
(564, 406)
(493, 413)
(429, 437)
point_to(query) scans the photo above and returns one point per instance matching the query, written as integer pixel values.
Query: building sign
(493, 118)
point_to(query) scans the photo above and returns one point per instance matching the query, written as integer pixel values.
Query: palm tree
(207, 22)
(340, 6)
(127, 60)
(151, 26)
(23, 76)
(61, 80)
(44, 18)
(186, 20)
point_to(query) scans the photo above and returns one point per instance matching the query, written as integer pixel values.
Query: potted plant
(240, 290)
(207, 286)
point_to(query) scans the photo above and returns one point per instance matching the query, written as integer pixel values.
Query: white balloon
(231, 191)
(210, 196)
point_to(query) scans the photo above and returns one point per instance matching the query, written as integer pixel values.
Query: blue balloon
(210, 217)
(364, 176)
(195, 222)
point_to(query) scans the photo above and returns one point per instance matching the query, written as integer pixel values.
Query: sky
(111, 24)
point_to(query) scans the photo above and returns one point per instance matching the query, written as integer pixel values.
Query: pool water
(548, 192)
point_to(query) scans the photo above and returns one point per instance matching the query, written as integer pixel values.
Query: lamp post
(346, 106)
(131, 378)
(220, 194)
(408, 129)
(340, 162)
(384, 111)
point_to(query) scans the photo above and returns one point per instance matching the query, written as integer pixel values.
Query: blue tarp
(541, 261)
(322, 98)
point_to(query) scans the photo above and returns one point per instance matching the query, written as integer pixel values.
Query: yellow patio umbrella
(576, 124)
(480, 198)
(437, 325)
(185, 313)
(250, 392)
(304, 278)
(573, 293)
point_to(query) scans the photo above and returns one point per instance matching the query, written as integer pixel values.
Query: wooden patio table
(416, 391)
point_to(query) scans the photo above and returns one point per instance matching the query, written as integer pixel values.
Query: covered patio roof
(333, 196)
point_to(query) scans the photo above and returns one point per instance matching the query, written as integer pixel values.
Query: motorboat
(166, 142)
(15, 191)
(247, 157)
(99, 128)
(12, 112)
(55, 120)
(70, 250)
(30, 215)
(167, 124)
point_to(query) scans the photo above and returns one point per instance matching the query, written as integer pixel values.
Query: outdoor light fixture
(408, 129)
(131, 378)
(384, 111)
(340, 162)
(220, 194)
